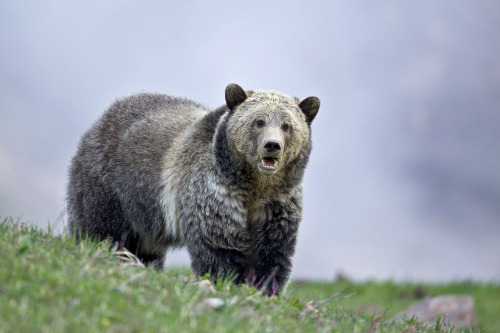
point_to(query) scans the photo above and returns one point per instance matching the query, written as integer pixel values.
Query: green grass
(50, 284)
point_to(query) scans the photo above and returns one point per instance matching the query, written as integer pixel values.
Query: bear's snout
(271, 151)
(272, 146)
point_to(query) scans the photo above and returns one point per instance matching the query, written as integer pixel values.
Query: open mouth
(269, 164)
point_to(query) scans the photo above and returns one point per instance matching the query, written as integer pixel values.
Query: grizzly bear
(158, 172)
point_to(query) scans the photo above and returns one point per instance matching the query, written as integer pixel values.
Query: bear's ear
(235, 95)
(310, 107)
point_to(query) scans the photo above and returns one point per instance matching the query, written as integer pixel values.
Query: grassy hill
(50, 284)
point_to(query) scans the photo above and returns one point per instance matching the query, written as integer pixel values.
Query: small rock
(214, 303)
(457, 310)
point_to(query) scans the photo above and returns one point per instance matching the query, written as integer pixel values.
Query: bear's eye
(260, 123)
(285, 127)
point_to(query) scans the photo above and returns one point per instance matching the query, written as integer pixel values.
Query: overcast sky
(404, 178)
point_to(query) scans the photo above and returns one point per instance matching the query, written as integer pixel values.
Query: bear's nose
(272, 146)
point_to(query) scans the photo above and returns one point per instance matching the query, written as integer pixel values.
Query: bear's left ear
(235, 95)
(310, 107)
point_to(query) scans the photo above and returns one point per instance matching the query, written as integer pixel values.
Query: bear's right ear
(235, 95)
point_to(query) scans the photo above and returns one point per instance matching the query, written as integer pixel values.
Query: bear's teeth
(269, 162)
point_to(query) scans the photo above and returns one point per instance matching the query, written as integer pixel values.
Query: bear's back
(146, 112)
(123, 153)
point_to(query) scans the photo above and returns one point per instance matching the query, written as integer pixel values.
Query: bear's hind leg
(132, 243)
(156, 261)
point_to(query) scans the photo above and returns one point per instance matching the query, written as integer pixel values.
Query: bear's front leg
(273, 247)
(217, 243)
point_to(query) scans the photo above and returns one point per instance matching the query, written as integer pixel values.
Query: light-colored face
(269, 130)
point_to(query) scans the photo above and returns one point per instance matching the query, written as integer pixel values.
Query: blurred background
(404, 179)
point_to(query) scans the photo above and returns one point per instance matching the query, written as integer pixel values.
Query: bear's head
(268, 129)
